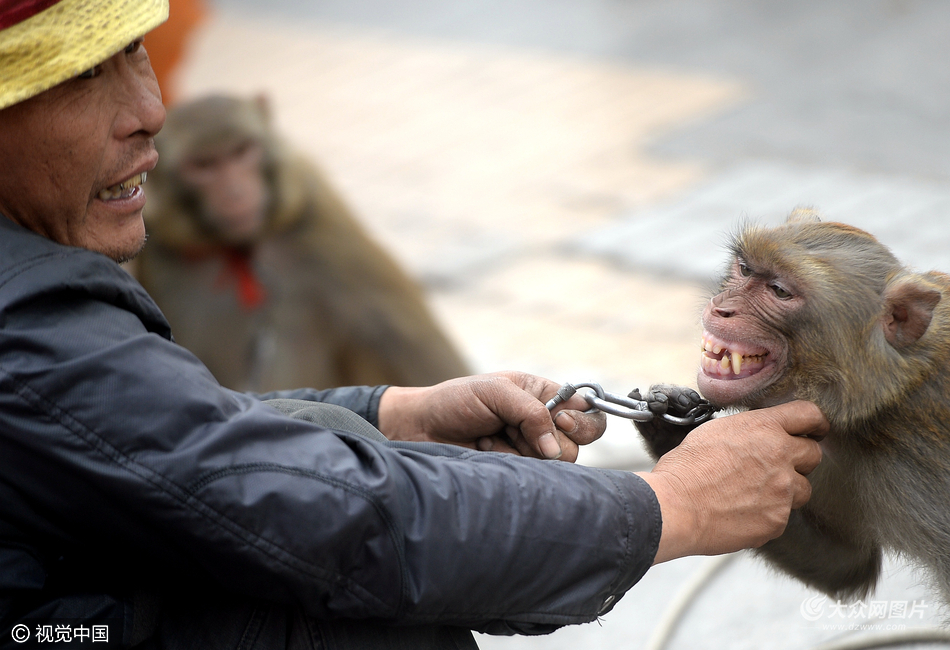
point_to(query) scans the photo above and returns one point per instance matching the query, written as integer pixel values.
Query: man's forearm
(362, 400)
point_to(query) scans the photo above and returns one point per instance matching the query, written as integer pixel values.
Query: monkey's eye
(780, 292)
(744, 270)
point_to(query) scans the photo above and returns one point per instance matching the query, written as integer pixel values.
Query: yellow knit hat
(46, 42)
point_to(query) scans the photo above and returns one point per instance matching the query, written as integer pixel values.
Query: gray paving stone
(854, 83)
(686, 236)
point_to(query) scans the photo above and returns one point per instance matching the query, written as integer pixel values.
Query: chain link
(627, 407)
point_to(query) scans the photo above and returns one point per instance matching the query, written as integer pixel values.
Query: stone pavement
(562, 176)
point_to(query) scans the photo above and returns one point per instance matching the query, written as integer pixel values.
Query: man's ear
(908, 309)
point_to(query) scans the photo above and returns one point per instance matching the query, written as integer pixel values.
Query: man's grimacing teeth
(117, 191)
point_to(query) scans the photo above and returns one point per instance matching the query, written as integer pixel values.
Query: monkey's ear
(803, 215)
(908, 309)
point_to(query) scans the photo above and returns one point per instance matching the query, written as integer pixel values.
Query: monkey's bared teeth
(731, 360)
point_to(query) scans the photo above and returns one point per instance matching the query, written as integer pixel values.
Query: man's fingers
(800, 418)
(807, 425)
(550, 445)
(496, 443)
(538, 433)
(581, 428)
(809, 456)
(518, 401)
(802, 492)
(517, 408)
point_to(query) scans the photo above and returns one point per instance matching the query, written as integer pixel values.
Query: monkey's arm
(659, 434)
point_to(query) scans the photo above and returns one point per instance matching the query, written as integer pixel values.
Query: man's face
(71, 157)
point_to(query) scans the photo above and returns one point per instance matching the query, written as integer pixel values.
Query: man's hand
(732, 482)
(497, 412)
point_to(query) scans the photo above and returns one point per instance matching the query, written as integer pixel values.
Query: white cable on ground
(664, 630)
(675, 610)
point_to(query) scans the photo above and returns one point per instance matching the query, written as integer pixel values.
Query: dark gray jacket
(124, 465)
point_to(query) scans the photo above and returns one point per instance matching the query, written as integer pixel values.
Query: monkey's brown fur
(337, 309)
(868, 341)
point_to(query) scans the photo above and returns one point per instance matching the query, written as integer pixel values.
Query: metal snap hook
(627, 407)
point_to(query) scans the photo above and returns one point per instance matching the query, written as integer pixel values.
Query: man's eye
(91, 73)
(133, 47)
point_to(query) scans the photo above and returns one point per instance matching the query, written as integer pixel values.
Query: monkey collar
(45, 42)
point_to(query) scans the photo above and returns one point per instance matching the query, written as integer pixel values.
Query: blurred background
(561, 176)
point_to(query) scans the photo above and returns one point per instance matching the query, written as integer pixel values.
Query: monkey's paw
(659, 434)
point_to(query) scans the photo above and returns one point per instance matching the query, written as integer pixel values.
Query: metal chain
(627, 407)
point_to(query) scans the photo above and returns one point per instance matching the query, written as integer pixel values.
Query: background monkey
(824, 312)
(264, 273)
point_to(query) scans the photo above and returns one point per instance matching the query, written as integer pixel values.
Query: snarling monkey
(265, 274)
(824, 312)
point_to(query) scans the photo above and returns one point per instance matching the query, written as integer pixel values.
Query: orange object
(251, 292)
(166, 44)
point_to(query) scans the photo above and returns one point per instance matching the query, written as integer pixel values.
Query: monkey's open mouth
(730, 360)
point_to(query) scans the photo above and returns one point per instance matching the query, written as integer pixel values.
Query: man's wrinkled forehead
(45, 42)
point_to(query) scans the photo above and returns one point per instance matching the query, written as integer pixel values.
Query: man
(139, 496)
